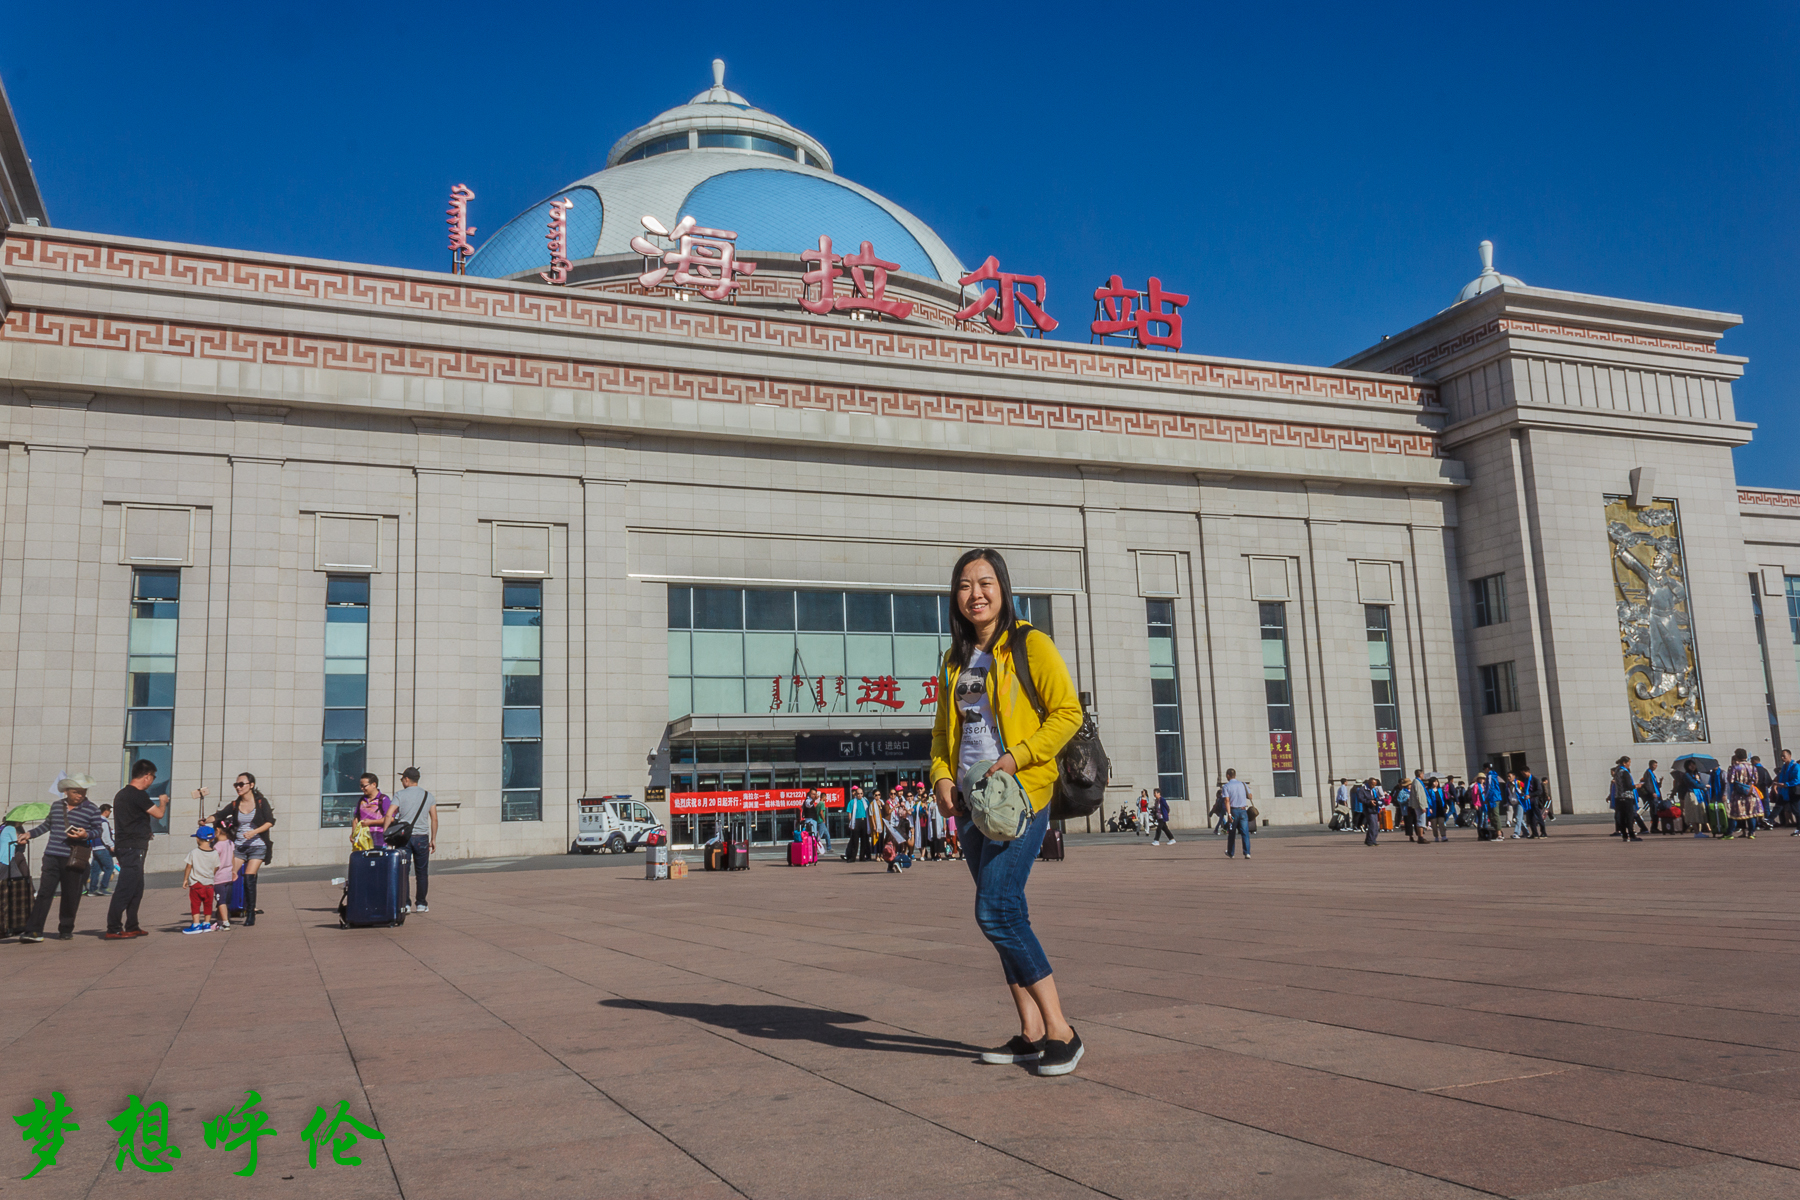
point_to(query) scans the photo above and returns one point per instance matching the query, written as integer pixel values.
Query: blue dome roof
(520, 245)
(729, 166)
(785, 212)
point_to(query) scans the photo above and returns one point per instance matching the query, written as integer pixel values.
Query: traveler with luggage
(1159, 809)
(413, 804)
(994, 765)
(133, 811)
(374, 812)
(250, 818)
(100, 869)
(73, 824)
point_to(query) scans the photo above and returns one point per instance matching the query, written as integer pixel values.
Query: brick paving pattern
(1573, 1018)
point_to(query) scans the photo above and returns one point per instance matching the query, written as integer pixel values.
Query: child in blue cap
(197, 877)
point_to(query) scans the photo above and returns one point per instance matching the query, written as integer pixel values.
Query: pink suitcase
(805, 852)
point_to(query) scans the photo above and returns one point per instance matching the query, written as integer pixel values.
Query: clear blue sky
(1313, 175)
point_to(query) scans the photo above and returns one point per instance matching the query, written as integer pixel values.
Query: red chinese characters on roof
(1120, 311)
(1002, 317)
(868, 279)
(557, 237)
(703, 259)
(457, 218)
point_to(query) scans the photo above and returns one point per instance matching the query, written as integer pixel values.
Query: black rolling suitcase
(740, 856)
(15, 903)
(1052, 849)
(378, 889)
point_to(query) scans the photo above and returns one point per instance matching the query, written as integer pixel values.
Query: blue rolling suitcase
(378, 888)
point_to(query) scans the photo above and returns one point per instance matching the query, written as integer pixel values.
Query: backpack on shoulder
(1082, 767)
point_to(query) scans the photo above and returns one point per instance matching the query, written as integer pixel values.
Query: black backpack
(1083, 770)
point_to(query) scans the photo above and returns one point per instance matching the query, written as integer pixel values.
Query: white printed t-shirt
(980, 731)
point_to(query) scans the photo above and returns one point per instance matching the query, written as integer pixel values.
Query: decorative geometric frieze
(41, 328)
(1469, 338)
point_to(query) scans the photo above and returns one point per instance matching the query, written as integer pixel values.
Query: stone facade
(263, 423)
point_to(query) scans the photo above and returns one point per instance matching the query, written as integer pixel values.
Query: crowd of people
(86, 844)
(1498, 805)
(897, 826)
(1706, 800)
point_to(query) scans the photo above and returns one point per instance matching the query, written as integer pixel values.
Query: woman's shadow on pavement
(791, 1022)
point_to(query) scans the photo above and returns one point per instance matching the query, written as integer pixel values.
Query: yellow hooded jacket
(1033, 744)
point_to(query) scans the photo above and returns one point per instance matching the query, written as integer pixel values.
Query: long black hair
(964, 641)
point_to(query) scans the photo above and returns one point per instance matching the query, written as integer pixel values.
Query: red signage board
(1387, 748)
(767, 800)
(1281, 750)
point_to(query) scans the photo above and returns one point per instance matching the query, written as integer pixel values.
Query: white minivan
(617, 824)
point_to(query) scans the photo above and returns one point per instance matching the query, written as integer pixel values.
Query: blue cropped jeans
(1000, 870)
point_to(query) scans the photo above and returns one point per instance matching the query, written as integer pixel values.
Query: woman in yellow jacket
(985, 716)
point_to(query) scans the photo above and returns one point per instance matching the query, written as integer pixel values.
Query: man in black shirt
(133, 811)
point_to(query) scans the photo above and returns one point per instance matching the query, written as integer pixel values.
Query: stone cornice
(414, 296)
(247, 348)
(1604, 422)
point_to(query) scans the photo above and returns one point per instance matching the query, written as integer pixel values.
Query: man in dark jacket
(1159, 809)
(133, 812)
(1368, 795)
(1624, 801)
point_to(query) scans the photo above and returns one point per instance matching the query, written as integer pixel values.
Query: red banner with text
(756, 801)
(1281, 751)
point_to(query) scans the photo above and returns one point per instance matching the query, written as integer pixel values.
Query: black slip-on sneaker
(1019, 1050)
(1059, 1058)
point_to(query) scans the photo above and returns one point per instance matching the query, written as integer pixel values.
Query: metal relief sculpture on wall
(1656, 628)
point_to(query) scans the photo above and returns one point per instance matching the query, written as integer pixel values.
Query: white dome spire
(1489, 279)
(718, 93)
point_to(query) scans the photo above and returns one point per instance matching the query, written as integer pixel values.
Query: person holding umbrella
(73, 824)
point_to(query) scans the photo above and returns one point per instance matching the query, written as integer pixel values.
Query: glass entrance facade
(726, 763)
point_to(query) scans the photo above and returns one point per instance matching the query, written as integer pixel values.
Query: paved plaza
(1570, 1018)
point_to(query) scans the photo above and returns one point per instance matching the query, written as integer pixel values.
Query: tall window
(345, 752)
(1490, 599)
(150, 687)
(1499, 689)
(736, 650)
(1381, 682)
(1793, 613)
(522, 717)
(1165, 700)
(1279, 694)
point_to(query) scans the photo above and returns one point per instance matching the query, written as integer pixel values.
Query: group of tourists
(76, 833)
(895, 825)
(1498, 805)
(84, 843)
(1704, 799)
